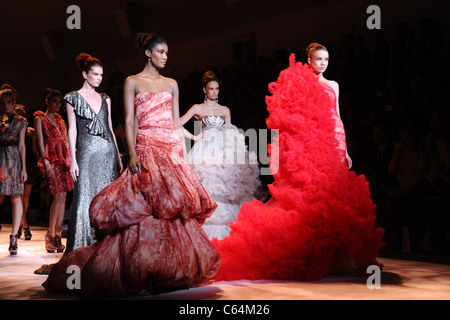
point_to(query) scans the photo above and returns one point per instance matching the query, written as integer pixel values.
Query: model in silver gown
(98, 164)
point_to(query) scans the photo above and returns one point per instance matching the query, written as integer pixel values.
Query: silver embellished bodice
(210, 122)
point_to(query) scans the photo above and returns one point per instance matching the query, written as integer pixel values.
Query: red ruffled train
(321, 218)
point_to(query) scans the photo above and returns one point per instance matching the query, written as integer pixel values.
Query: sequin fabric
(98, 165)
(212, 122)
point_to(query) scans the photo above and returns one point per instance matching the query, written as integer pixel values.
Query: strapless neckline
(212, 115)
(152, 93)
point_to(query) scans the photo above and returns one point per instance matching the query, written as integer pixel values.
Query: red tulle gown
(321, 218)
(148, 225)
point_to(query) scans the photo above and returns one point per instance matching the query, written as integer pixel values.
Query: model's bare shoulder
(131, 79)
(225, 109)
(171, 82)
(333, 84)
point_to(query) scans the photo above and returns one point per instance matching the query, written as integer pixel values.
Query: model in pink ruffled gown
(148, 222)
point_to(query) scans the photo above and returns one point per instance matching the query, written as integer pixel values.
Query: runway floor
(400, 280)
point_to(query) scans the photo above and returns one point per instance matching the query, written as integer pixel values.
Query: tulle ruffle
(228, 171)
(321, 216)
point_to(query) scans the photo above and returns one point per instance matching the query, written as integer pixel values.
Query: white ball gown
(227, 170)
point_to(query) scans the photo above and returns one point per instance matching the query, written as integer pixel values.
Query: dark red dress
(57, 153)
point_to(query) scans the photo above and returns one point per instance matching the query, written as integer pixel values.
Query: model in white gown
(221, 160)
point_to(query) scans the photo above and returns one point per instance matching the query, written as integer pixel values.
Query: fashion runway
(400, 280)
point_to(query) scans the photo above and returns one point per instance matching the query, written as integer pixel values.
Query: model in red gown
(147, 225)
(321, 218)
(57, 153)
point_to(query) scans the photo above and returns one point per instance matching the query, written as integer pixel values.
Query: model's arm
(41, 147)
(227, 115)
(336, 90)
(72, 132)
(130, 125)
(108, 101)
(176, 117)
(22, 154)
(175, 104)
(189, 114)
(35, 146)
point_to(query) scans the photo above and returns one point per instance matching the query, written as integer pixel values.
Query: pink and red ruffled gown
(148, 225)
(321, 218)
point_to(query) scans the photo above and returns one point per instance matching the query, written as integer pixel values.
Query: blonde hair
(313, 47)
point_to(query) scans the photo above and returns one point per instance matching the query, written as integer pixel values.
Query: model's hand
(349, 160)
(204, 134)
(49, 170)
(201, 135)
(23, 176)
(134, 164)
(74, 171)
(120, 165)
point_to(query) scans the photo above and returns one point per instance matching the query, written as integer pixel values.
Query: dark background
(241, 39)
(397, 75)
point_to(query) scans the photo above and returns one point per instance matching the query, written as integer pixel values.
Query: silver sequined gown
(98, 165)
(227, 170)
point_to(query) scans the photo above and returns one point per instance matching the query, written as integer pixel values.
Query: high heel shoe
(50, 243)
(13, 247)
(59, 246)
(27, 233)
(19, 232)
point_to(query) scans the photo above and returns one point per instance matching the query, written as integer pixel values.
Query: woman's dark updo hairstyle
(208, 77)
(8, 91)
(49, 93)
(85, 62)
(147, 41)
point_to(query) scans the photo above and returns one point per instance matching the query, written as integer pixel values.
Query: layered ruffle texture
(147, 225)
(321, 218)
(56, 152)
(228, 171)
